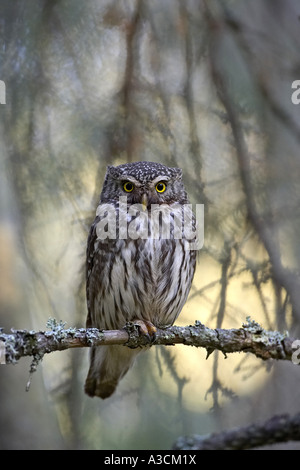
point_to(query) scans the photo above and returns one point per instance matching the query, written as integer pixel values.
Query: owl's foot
(146, 328)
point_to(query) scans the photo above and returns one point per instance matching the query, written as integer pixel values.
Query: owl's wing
(90, 252)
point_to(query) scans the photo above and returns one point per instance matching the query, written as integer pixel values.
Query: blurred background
(203, 85)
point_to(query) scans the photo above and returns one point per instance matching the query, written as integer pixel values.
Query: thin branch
(250, 338)
(285, 277)
(280, 428)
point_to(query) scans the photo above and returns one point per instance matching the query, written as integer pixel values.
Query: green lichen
(136, 339)
(37, 359)
(272, 341)
(57, 333)
(92, 335)
(11, 349)
(198, 324)
(252, 326)
(57, 327)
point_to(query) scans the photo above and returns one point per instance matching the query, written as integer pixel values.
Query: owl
(140, 264)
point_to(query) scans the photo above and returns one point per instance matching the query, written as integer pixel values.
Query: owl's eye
(160, 187)
(128, 186)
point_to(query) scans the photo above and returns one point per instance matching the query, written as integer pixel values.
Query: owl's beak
(144, 202)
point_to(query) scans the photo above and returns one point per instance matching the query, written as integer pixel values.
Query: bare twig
(250, 338)
(284, 276)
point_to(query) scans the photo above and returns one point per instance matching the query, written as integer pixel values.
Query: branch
(250, 338)
(284, 276)
(281, 428)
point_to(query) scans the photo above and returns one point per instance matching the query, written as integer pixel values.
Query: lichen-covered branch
(251, 337)
(280, 428)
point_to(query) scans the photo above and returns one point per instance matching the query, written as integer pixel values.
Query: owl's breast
(145, 278)
(168, 275)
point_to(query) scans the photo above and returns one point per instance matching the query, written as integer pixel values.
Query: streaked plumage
(127, 279)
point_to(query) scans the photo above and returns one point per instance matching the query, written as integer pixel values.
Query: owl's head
(144, 183)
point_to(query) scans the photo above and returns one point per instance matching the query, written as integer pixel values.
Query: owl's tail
(108, 364)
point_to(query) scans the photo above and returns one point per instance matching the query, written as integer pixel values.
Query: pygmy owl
(140, 262)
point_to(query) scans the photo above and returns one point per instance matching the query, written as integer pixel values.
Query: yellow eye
(160, 187)
(128, 186)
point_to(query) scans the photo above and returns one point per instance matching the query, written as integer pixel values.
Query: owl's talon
(146, 328)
